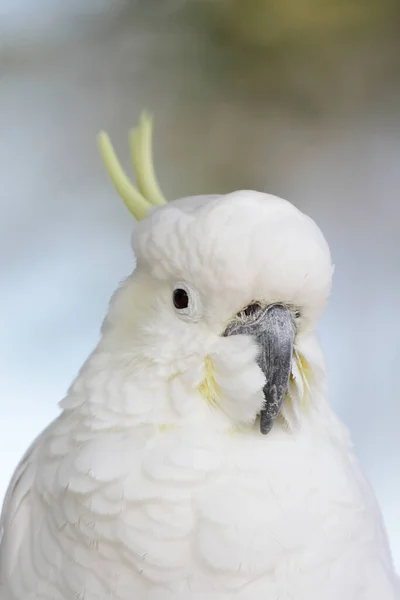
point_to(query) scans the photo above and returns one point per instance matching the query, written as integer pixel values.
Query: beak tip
(266, 423)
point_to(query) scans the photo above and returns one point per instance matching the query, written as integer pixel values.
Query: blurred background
(300, 98)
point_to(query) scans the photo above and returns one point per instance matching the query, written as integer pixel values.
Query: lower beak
(274, 330)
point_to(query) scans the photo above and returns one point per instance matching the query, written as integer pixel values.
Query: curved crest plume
(138, 201)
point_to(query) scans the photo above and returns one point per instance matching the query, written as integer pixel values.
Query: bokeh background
(300, 98)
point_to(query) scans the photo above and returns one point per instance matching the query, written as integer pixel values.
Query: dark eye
(181, 299)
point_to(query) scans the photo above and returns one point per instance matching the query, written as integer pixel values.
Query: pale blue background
(322, 129)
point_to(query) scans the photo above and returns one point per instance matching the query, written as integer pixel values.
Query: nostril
(252, 309)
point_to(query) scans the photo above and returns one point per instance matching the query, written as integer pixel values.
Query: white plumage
(155, 483)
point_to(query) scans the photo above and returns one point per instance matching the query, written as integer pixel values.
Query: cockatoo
(196, 456)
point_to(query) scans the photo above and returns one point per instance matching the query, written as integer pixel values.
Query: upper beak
(274, 330)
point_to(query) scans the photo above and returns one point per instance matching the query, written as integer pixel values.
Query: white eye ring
(186, 302)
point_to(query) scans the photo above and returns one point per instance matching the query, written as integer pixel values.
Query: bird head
(226, 293)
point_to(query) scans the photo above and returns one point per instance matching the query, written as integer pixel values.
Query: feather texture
(144, 488)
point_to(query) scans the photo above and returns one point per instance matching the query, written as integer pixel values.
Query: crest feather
(138, 201)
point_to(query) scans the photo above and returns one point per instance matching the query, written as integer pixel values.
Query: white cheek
(185, 398)
(239, 378)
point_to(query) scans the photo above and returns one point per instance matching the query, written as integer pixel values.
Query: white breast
(152, 514)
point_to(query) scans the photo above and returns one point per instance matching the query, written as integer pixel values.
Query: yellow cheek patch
(305, 368)
(165, 428)
(209, 387)
(300, 378)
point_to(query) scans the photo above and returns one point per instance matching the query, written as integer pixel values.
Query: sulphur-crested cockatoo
(156, 481)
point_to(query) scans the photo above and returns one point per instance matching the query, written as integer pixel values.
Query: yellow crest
(138, 201)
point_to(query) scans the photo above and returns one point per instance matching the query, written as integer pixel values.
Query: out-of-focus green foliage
(262, 23)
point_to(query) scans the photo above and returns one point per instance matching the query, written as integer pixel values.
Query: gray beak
(274, 330)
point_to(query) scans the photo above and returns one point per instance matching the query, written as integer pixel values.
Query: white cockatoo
(196, 456)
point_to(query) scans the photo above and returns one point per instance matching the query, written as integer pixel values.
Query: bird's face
(212, 268)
